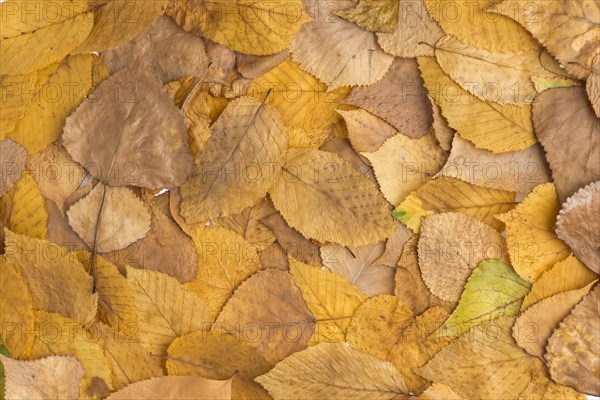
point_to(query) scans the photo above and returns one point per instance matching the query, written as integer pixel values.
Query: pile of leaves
(288, 199)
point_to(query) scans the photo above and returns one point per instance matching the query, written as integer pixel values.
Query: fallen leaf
(337, 372)
(165, 309)
(252, 67)
(518, 171)
(573, 348)
(534, 327)
(56, 377)
(22, 208)
(13, 163)
(301, 192)
(493, 291)
(439, 391)
(373, 15)
(358, 266)
(443, 133)
(592, 86)
(578, 225)
(569, 30)
(239, 163)
(134, 134)
(490, 126)
(366, 132)
(532, 244)
(62, 28)
(331, 299)
(566, 111)
(399, 99)
(109, 218)
(14, 101)
(445, 261)
(269, 310)
(175, 387)
(448, 194)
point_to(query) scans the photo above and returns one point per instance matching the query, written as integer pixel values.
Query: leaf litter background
(381, 199)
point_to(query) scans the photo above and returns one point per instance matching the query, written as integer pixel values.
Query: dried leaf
(592, 86)
(13, 163)
(373, 15)
(578, 225)
(109, 218)
(566, 111)
(238, 164)
(301, 192)
(129, 132)
(366, 132)
(399, 99)
(252, 67)
(22, 208)
(250, 224)
(14, 102)
(451, 246)
(56, 377)
(174, 388)
(337, 372)
(532, 244)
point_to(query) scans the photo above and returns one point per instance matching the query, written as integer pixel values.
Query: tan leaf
(13, 157)
(342, 147)
(568, 29)
(331, 299)
(129, 132)
(573, 348)
(357, 213)
(518, 171)
(504, 372)
(358, 266)
(247, 26)
(238, 164)
(472, 23)
(337, 372)
(415, 34)
(17, 310)
(251, 66)
(451, 246)
(443, 133)
(225, 260)
(565, 275)
(165, 309)
(490, 126)
(175, 388)
(578, 225)
(503, 78)
(338, 52)
(62, 28)
(291, 241)
(393, 246)
(592, 86)
(123, 218)
(373, 15)
(447, 194)
(270, 307)
(399, 99)
(55, 377)
(532, 244)
(566, 111)
(439, 391)
(403, 164)
(534, 327)
(117, 21)
(366, 132)
(172, 53)
(57, 281)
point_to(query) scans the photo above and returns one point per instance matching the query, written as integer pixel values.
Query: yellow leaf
(165, 309)
(446, 194)
(58, 335)
(23, 209)
(61, 87)
(532, 244)
(225, 260)
(490, 126)
(175, 388)
(238, 164)
(565, 275)
(248, 26)
(14, 101)
(33, 40)
(373, 15)
(366, 132)
(57, 281)
(334, 371)
(403, 164)
(314, 183)
(332, 300)
(17, 310)
(117, 21)
(55, 377)
(471, 23)
(439, 391)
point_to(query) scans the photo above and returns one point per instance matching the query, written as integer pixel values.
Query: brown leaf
(175, 388)
(13, 157)
(251, 66)
(129, 132)
(366, 132)
(561, 113)
(399, 98)
(593, 86)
